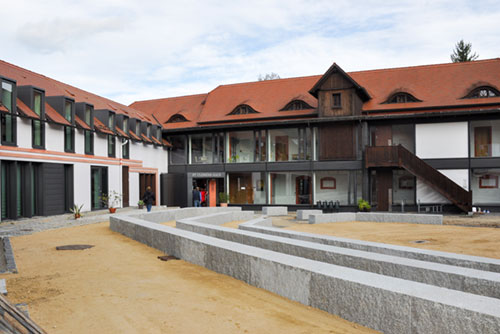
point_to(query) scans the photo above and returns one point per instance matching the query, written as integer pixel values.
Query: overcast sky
(130, 50)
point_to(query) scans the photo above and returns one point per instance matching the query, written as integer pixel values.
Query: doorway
(303, 193)
(209, 189)
(146, 180)
(125, 186)
(99, 186)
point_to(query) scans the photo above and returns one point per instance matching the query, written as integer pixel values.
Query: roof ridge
(266, 81)
(169, 98)
(428, 65)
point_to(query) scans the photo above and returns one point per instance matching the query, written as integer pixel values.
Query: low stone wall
(451, 277)
(274, 210)
(174, 214)
(224, 217)
(379, 217)
(387, 304)
(459, 260)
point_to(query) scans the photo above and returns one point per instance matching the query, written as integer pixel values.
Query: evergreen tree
(268, 76)
(462, 52)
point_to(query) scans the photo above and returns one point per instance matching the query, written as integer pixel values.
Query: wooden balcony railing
(398, 156)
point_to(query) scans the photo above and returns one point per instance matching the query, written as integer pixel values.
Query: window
(201, 148)
(482, 92)
(291, 188)
(125, 125)
(125, 148)
(111, 146)
(243, 109)
(176, 119)
(111, 122)
(89, 135)
(328, 183)
(36, 125)
(177, 154)
(69, 132)
(8, 118)
(336, 101)
(240, 146)
(148, 131)
(247, 188)
(297, 105)
(488, 182)
(402, 98)
(290, 144)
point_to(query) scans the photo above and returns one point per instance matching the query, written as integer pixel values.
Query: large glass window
(201, 148)
(178, 150)
(89, 135)
(485, 186)
(485, 139)
(291, 188)
(260, 145)
(290, 144)
(37, 126)
(8, 119)
(125, 148)
(342, 185)
(247, 188)
(240, 146)
(69, 133)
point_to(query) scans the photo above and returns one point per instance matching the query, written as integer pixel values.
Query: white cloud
(129, 50)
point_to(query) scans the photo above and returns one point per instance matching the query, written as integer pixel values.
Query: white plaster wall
(54, 137)
(495, 136)
(426, 194)
(100, 145)
(441, 140)
(79, 141)
(81, 172)
(484, 195)
(341, 193)
(24, 132)
(115, 180)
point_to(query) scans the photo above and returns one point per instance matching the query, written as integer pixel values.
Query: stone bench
(274, 210)
(304, 214)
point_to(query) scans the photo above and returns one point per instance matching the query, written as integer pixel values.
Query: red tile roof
(166, 143)
(56, 88)
(54, 116)
(187, 106)
(134, 136)
(100, 127)
(25, 110)
(81, 124)
(437, 86)
(156, 141)
(120, 132)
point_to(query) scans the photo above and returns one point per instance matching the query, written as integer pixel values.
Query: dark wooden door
(383, 184)
(125, 186)
(146, 180)
(383, 135)
(482, 141)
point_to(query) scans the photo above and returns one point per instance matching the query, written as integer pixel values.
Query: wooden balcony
(398, 156)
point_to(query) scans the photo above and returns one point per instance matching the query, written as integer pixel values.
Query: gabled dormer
(64, 106)
(33, 98)
(146, 132)
(106, 117)
(134, 127)
(338, 94)
(122, 125)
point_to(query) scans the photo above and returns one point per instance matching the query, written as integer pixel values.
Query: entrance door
(303, 194)
(384, 185)
(125, 186)
(383, 135)
(482, 141)
(98, 186)
(147, 180)
(212, 193)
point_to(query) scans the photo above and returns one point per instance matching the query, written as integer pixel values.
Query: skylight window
(297, 105)
(176, 119)
(402, 98)
(483, 92)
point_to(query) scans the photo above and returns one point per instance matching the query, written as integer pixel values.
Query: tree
(462, 52)
(268, 76)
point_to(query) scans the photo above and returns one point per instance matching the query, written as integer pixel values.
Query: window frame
(12, 114)
(35, 121)
(336, 100)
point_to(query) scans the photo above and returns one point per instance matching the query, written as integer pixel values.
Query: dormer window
(176, 119)
(8, 119)
(69, 132)
(482, 92)
(125, 125)
(402, 98)
(148, 131)
(243, 109)
(297, 105)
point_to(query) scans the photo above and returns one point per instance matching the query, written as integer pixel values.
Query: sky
(129, 50)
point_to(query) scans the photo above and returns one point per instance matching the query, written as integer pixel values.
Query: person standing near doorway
(148, 198)
(196, 197)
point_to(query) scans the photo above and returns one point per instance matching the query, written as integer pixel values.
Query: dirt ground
(120, 286)
(480, 241)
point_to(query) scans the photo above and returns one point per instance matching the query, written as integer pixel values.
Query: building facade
(423, 136)
(62, 146)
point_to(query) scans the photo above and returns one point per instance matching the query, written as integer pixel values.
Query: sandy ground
(480, 241)
(120, 286)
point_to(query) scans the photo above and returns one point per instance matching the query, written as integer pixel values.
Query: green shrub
(364, 205)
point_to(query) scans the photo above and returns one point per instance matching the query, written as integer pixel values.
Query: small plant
(364, 205)
(111, 200)
(223, 197)
(76, 210)
(140, 204)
